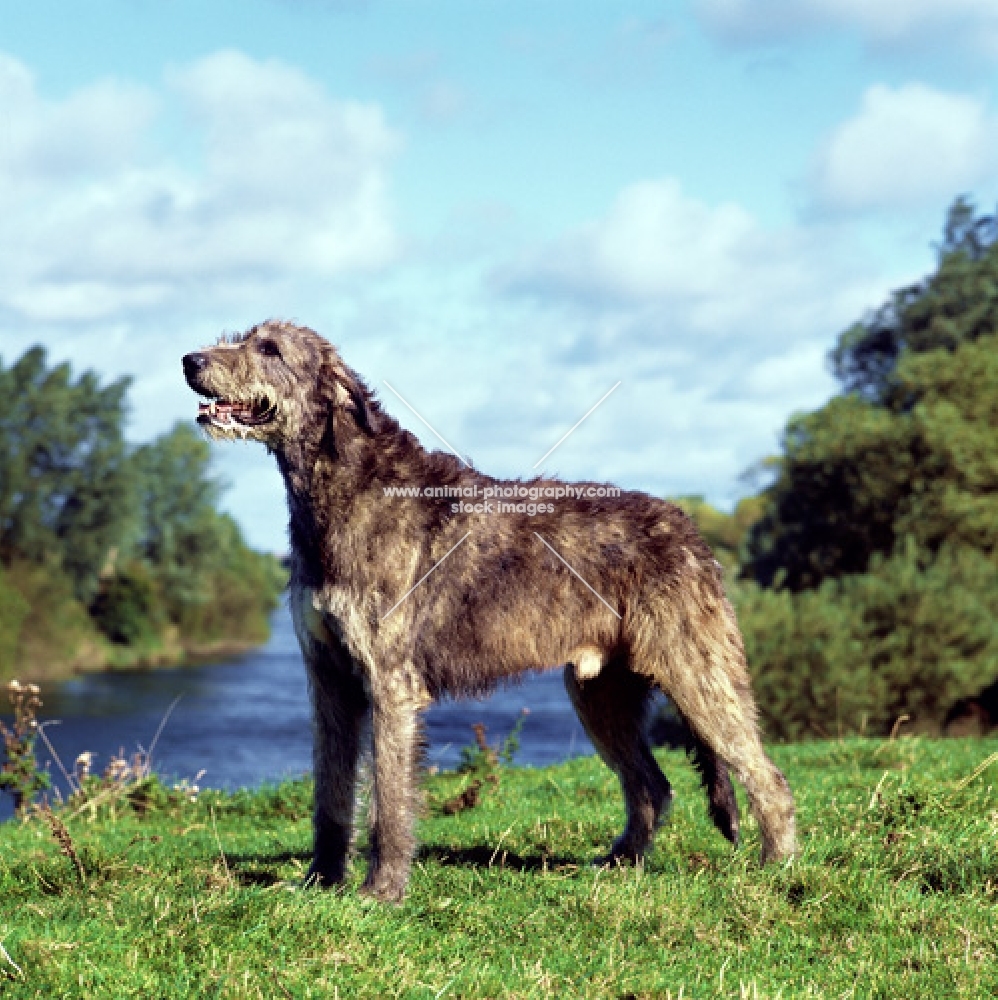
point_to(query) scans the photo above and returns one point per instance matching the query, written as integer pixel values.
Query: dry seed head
(117, 769)
(83, 763)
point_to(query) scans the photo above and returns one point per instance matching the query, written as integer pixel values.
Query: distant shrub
(910, 637)
(13, 610)
(240, 594)
(55, 628)
(127, 608)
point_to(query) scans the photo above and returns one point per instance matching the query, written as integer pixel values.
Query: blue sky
(501, 208)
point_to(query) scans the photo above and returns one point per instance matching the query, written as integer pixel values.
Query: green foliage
(135, 533)
(241, 586)
(955, 305)
(858, 478)
(724, 533)
(212, 584)
(179, 532)
(910, 449)
(893, 895)
(65, 478)
(56, 632)
(880, 531)
(483, 759)
(846, 469)
(13, 610)
(128, 608)
(859, 652)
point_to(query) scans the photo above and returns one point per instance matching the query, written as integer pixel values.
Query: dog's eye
(269, 348)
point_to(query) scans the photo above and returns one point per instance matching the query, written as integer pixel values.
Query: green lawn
(895, 893)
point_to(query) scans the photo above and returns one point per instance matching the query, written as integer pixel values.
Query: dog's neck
(338, 476)
(295, 464)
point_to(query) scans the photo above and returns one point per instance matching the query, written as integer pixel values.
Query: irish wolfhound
(399, 600)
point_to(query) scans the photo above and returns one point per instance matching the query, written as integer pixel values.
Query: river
(245, 721)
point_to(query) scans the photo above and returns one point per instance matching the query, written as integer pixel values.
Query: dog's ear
(359, 404)
(352, 407)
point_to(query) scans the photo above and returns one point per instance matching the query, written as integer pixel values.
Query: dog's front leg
(340, 706)
(395, 799)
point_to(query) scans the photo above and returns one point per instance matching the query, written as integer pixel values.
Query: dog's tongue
(221, 411)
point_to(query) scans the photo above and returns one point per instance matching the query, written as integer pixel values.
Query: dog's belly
(469, 660)
(442, 654)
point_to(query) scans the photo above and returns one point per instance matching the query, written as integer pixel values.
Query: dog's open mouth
(224, 413)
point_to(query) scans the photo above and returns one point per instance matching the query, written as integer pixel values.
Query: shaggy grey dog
(399, 600)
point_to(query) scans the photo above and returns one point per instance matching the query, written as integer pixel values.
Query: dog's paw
(324, 877)
(385, 887)
(614, 861)
(620, 855)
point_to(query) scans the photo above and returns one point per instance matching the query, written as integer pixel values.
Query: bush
(911, 637)
(128, 608)
(13, 611)
(242, 588)
(55, 628)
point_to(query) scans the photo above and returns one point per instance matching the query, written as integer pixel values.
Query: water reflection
(247, 721)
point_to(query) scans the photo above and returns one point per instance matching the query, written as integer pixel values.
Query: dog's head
(278, 383)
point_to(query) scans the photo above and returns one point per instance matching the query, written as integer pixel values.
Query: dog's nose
(194, 363)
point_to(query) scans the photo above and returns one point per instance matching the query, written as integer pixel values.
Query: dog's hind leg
(722, 805)
(340, 710)
(613, 707)
(702, 670)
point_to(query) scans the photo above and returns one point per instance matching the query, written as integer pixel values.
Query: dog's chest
(331, 617)
(310, 624)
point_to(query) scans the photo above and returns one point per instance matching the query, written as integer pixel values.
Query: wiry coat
(399, 600)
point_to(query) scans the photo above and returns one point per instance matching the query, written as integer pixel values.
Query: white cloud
(97, 222)
(86, 134)
(879, 22)
(716, 325)
(906, 146)
(709, 270)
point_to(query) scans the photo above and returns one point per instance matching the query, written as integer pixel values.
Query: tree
(909, 448)
(65, 477)
(878, 546)
(956, 304)
(179, 530)
(724, 533)
(212, 583)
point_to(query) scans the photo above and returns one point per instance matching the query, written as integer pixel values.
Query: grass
(895, 892)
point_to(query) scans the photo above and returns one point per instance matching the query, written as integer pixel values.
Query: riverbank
(895, 892)
(47, 659)
(48, 635)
